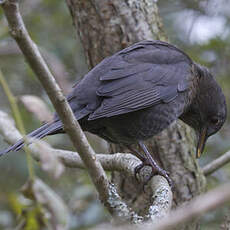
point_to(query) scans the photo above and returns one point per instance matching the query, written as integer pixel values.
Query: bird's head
(208, 110)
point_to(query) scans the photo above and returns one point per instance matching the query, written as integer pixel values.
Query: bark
(106, 26)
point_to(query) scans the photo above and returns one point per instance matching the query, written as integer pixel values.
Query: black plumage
(138, 92)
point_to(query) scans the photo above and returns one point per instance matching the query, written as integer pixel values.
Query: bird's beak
(201, 142)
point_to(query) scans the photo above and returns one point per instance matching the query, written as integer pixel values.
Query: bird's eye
(215, 121)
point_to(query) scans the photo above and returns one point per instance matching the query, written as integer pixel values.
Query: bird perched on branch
(137, 92)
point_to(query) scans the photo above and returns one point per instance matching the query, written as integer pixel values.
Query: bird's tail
(44, 130)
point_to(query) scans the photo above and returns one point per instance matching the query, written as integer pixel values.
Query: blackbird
(139, 91)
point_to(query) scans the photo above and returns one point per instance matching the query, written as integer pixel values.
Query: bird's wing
(141, 76)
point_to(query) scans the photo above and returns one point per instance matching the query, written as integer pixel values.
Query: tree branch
(124, 162)
(54, 205)
(56, 66)
(216, 164)
(106, 190)
(71, 126)
(158, 185)
(194, 209)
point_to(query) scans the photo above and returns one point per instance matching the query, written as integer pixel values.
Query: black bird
(137, 92)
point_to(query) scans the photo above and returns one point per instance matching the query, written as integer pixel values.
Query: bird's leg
(140, 157)
(136, 153)
(156, 169)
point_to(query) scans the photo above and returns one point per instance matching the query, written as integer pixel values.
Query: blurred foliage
(200, 28)
(29, 215)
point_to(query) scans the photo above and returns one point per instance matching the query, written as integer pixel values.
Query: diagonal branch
(106, 190)
(71, 126)
(158, 186)
(216, 164)
(194, 209)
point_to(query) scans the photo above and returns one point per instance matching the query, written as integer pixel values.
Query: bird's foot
(161, 172)
(138, 169)
(156, 170)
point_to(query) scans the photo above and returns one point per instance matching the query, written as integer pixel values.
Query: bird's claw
(163, 173)
(155, 171)
(137, 169)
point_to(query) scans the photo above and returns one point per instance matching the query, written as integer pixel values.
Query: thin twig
(56, 66)
(18, 120)
(196, 208)
(216, 164)
(55, 207)
(71, 126)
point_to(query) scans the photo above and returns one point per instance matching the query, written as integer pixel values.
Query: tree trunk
(106, 26)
